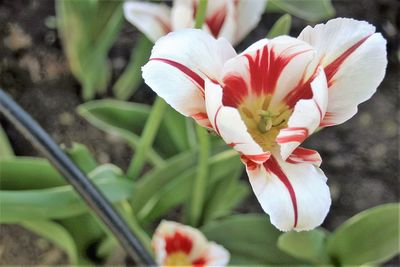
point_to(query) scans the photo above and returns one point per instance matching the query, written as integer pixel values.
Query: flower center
(177, 259)
(263, 121)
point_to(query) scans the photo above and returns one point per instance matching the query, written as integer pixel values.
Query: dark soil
(360, 156)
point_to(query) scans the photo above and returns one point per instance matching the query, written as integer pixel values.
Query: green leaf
(370, 237)
(82, 157)
(307, 245)
(20, 173)
(88, 30)
(154, 180)
(226, 194)
(251, 239)
(131, 78)
(127, 120)
(311, 10)
(176, 190)
(281, 27)
(6, 150)
(86, 230)
(61, 201)
(56, 234)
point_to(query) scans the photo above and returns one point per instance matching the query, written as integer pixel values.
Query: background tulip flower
(267, 100)
(176, 244)
(231, 19)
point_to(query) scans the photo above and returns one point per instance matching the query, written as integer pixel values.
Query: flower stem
(147, 138)
(200, 14)
(200, 181)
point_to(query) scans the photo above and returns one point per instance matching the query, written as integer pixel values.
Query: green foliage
(81, 156)
(176, 190)
(88, 30)
(22, 203)
(308, 245)
(310, 10)
(5, 146)
(131, 78)
(370, 237)
(281, 27)
(251, 239)
(127, 120)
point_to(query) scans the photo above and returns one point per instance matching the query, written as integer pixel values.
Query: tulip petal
(354, 60)
(227, 122)
(270, 67)
(178, 65)
(217, 255)
(151, 19)
(182, 14)
(306, 117)
(295, 196)
(249, 13)
(304, 155)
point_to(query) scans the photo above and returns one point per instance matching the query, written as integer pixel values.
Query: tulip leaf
(82, 157)
(310, 10)
(56, 234)
(127, 120)
(131, 78)
(226, 194)
(307, 245)
(6, 150)
(20, 173)
(88, 30)
(86, 230)
(176, 192)
(59, 201)
(370, 237)
(251, 239)
(281, 27)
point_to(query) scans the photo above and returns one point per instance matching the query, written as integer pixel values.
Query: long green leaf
(128, 119)
(61, 201)
(87, 30)
(20, 173)
(131, 78)
(56, 234)
(370, 237)
(226, 194)
(175, 192)
(311, 10)
(251, 239)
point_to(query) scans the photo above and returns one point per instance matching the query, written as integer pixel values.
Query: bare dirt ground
(361, 157)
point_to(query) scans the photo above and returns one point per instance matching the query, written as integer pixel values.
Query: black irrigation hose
(88, 191)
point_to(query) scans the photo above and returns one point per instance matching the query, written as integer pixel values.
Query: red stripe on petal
(178, 242)
(266, 68)
(250, 165)
(215, 120)
(200, 116)
(259, 158)
(216, 20)
(272, 166)
(292, 134)
(190, 73)
(301, 155)
(333, 67)
(234, 91)
(199, 262)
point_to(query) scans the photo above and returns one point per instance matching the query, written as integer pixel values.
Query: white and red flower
(176, 244)
(231, 19)
(267, 100)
